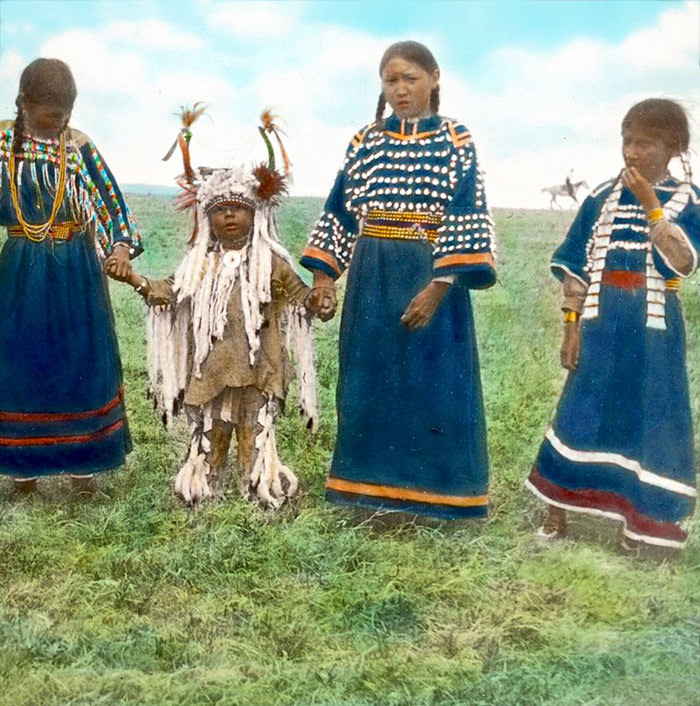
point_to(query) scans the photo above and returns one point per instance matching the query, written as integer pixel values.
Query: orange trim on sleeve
(393, 493)
(485, 258)
(322, 255)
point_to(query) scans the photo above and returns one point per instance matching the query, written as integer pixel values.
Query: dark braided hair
(381, 105)
(416, 53)
(46, 81)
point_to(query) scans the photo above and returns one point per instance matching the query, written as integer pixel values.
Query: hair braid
(687, 171)
(18, 133)
(435, 99)
(379, 115)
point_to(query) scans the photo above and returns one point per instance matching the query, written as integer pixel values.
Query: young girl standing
(407, 216)
(621, 444)
(61, 395)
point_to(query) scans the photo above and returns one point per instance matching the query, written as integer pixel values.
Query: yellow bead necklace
(38, 231)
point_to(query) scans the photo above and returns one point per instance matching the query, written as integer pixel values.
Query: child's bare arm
(294, 288)
(156, 292)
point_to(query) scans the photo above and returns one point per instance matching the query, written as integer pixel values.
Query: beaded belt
(402, 225)
(58, 231)
(622, 279)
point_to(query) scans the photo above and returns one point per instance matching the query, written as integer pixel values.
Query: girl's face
(44, 120)
(407, 87)
(231, 224)
(646, 151)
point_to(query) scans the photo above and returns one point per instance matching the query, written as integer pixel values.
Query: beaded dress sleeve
(332, 239)
(466, 239)
(110, 213)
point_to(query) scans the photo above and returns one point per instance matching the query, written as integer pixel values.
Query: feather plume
(188, 116)
(268, 118)
(269, 124)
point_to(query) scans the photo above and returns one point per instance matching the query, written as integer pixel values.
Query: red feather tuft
(272, 186)
(187, 198)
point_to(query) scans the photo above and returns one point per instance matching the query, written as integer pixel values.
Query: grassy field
(130, 599)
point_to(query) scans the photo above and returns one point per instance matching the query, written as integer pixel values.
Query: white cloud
(548, 111)
(670, 45)
(111, 69)
(150, 35)
(10, 69)
(255, 19)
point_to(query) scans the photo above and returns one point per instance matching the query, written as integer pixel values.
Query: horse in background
(569, 190)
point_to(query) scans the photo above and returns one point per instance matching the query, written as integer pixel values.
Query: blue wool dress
(61, 395)
(621, 444)
(408, 205)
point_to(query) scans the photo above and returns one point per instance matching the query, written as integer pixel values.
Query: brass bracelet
(655, 215)
(571, 316)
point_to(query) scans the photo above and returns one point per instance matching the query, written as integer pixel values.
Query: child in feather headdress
(219, 343)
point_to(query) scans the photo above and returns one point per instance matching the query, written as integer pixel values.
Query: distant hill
(149, 189)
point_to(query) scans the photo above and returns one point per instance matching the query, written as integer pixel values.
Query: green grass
(131, 599)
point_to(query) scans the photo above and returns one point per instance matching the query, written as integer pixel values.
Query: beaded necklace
(36, 232)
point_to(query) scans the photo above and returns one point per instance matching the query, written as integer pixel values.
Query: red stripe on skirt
(63, 416)
(45, 440)
(611, 502)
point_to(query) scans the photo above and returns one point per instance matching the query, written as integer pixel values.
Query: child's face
(231, 224)
(646, 151)
(44, 120)
(407, 87)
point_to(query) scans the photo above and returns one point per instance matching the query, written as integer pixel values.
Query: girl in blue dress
(61, 393)
(407, 216)
(621, 444)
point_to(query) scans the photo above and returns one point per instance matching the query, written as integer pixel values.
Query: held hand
(571, 347)
(641, 188)
(118, 264)
(321, 300)
(142, 286)
(422, 307)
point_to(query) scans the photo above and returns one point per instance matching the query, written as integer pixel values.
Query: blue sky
(542, 85)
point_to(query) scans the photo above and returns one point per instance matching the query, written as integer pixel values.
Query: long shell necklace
(36, 232)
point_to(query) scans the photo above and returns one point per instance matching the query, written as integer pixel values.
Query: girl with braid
(621, 443)
(61, 396)
(407, 217)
